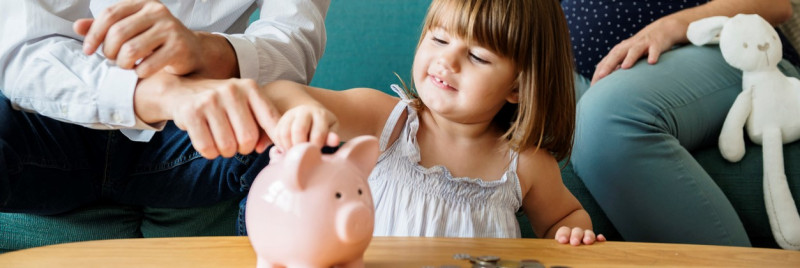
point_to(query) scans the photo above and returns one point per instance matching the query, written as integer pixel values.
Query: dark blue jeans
(48, 167)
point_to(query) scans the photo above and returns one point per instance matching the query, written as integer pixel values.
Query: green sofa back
(369, 41)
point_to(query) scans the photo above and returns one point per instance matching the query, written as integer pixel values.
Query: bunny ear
(705, 31)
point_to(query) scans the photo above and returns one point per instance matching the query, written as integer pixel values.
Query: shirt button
(116, 117)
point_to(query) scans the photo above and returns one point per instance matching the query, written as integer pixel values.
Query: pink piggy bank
(306, 209)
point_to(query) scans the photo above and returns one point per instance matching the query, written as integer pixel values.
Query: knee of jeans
(609, 120)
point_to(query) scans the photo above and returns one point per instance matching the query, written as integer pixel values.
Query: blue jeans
(48, 167)
(635, 131)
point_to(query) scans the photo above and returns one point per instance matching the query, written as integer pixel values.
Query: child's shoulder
(536, 165)
(537, 158)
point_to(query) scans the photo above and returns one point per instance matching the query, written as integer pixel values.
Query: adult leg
(168, 173)
(634, 131)
(46, 166)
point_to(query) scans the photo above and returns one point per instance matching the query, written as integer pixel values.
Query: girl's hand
(577, 235)
(654, 39)
(306, 123)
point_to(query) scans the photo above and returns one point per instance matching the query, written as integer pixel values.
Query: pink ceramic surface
(306, 209)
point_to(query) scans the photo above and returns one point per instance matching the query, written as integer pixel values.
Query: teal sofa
(369, 41)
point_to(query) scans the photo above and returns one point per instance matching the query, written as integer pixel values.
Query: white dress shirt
(43, 68)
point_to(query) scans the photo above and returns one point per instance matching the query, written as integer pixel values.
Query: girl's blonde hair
(534, 35)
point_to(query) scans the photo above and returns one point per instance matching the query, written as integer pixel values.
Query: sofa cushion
(743, 181)
(105, 221)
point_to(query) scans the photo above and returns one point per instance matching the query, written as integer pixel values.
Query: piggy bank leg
(358, 263)
(264, 263)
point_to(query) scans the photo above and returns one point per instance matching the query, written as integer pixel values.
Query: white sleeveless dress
(411, 200)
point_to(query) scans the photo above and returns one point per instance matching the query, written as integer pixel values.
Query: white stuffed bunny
(769, 106)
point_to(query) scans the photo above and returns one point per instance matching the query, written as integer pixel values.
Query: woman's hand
(306, 123)
(653, 40)
(577, 236)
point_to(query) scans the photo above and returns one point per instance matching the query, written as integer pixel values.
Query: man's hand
(144, 35)
(222, 117)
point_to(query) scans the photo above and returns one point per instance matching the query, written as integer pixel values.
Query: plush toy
(769, 107)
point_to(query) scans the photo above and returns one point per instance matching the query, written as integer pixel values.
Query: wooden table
(396, 252)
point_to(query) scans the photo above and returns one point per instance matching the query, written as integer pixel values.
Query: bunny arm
(781, 210)
(731, 138)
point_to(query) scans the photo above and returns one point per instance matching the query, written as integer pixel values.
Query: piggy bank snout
(354, 222)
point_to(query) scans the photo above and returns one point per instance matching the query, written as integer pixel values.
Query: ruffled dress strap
(395, 116)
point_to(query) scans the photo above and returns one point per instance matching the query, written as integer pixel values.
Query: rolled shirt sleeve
(288, 39)
(45, 71)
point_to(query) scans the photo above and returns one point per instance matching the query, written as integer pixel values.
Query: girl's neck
(445, 128)
(466, 150)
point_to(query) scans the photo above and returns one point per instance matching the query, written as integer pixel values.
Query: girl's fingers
(575, 236)
(588, 237)
(301, 127)
(283, 135)
(333, 139)
(319, 130)
(562, 235)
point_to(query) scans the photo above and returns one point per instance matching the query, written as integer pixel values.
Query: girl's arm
(551, 208)
(661, 35)
(309, 113)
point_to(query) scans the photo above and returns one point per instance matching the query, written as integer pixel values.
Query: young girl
(480, 136)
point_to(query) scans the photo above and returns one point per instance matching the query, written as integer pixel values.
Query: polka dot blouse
(596, 26)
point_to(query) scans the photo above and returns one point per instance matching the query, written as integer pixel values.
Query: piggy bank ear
(705, 31)
(362, 150)
(300, 161)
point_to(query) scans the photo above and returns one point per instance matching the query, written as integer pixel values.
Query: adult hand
(306, 123)
(653, 40)
(222, 117)
(145, 30)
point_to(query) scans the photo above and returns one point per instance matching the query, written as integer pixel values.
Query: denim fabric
(241, 226)
(48, 167)
(635, 131)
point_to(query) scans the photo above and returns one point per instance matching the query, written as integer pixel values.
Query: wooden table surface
(397, 252)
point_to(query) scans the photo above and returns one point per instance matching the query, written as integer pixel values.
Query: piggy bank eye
(744, 45)
(338, 195)
(359, 191)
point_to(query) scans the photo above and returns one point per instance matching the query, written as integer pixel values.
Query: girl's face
(465, 83)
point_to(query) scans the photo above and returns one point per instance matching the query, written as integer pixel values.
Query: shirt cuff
(115, 105)
(246, 55)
